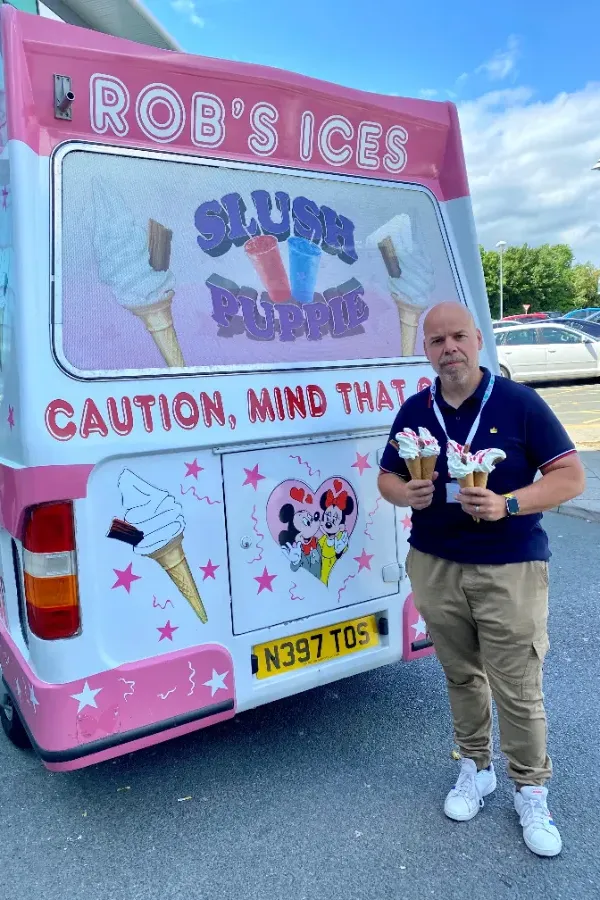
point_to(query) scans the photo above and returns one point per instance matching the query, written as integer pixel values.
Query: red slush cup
(266, 259)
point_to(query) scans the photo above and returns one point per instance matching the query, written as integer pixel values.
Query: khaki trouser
(488, 625)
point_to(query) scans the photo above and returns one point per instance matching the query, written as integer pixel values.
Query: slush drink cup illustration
(154, 527)
(264, 253)
(134, 263)
(411, 277)
(305, 259)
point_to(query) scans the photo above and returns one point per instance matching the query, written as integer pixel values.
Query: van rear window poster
(168, 265)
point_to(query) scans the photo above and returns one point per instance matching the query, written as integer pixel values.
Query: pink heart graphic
(313, 526)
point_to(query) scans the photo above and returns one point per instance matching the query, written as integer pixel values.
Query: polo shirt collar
(477, 394)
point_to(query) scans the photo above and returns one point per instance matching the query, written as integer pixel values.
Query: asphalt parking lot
(577, 405)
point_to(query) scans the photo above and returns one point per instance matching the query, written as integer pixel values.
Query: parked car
(503, 323)
(547, 351)
(582, 313)
(586, 325)
(526, 317)
(595, 317)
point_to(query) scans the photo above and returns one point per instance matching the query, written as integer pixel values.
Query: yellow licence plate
(311, 647)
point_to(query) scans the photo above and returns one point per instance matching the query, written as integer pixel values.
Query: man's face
(452, 343)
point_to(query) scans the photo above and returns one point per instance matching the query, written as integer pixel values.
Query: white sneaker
(466, 797)
(539, 831)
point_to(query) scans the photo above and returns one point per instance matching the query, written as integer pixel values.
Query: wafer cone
(467, 481)
(428, 464)
(174, 562)
(414, 467)
(480, 479)
(158, 319)
(409, 320)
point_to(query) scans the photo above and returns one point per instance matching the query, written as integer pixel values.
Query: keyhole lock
(245, 543)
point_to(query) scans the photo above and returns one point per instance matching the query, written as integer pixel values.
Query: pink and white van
(213, 284)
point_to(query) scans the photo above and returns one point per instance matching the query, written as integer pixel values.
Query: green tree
(585, 283)
(542, 277)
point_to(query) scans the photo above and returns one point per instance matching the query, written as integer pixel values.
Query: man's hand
(482, 504)
(420, 493)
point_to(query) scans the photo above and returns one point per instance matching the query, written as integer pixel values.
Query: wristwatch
(512, 505)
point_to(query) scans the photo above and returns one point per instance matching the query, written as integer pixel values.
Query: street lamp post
(500, 246)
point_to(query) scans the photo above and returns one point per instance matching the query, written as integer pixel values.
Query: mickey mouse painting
(318, 524)
(334, 539)
(298, 541)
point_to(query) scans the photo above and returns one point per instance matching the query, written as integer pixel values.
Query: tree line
(546, 278)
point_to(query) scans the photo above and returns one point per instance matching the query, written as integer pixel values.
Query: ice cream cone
(174, 562)
(158, 319)
(428, 464)
(467, 481)
(409, 320)
(480, 479)
(414, 467)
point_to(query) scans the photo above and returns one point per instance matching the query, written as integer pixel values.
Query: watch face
(512, 505)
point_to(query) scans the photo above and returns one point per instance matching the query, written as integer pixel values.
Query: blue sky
(400, 48)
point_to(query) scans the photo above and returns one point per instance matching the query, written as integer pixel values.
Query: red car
(527, 317)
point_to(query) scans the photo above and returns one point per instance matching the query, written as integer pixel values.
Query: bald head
(449, 311)
(452, 343)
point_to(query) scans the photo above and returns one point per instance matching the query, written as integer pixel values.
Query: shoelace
(466, 786)
(535, 812)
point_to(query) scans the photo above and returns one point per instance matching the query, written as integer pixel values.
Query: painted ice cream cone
(154, 526)
(174, 562)
(411, 275)
(158, 319)
(409, 316)
(134, 262)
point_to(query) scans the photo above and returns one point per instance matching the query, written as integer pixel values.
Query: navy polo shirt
(516, 420)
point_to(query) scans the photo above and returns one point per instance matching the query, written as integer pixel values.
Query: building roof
(122, 18)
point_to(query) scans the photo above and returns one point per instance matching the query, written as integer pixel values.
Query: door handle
(551, 351)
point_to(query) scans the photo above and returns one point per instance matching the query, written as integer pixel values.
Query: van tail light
(50, 571)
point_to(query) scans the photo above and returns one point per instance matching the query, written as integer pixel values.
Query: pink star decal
(253, 476)
(407, 522)
(265, 581)
(362, 463)
(11, 417)
(364, 560)
(193, 469)
(167, 631)
(125, 578)
(209, 570)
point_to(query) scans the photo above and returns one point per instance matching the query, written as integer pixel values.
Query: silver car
(546, 352)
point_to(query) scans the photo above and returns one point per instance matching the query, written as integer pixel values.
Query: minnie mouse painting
(318, 524)
(334, 539)
(298, 541)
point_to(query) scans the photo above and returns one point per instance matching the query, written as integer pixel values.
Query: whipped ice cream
(121, 247)
(485, 460)
(428, 445)
(408, 444)
(151, 510)
(460, 463)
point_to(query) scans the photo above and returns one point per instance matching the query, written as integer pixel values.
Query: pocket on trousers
(531, 686)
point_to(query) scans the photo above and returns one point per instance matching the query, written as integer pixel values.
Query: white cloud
(529, 166)
(189, 9)
(503, 62)
(428, 93)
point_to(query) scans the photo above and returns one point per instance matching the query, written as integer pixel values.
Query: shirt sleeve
(546, 439)
(390, 461)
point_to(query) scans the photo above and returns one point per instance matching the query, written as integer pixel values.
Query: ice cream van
(213, 287)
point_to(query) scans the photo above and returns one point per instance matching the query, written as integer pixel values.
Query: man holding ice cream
(478, 561)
